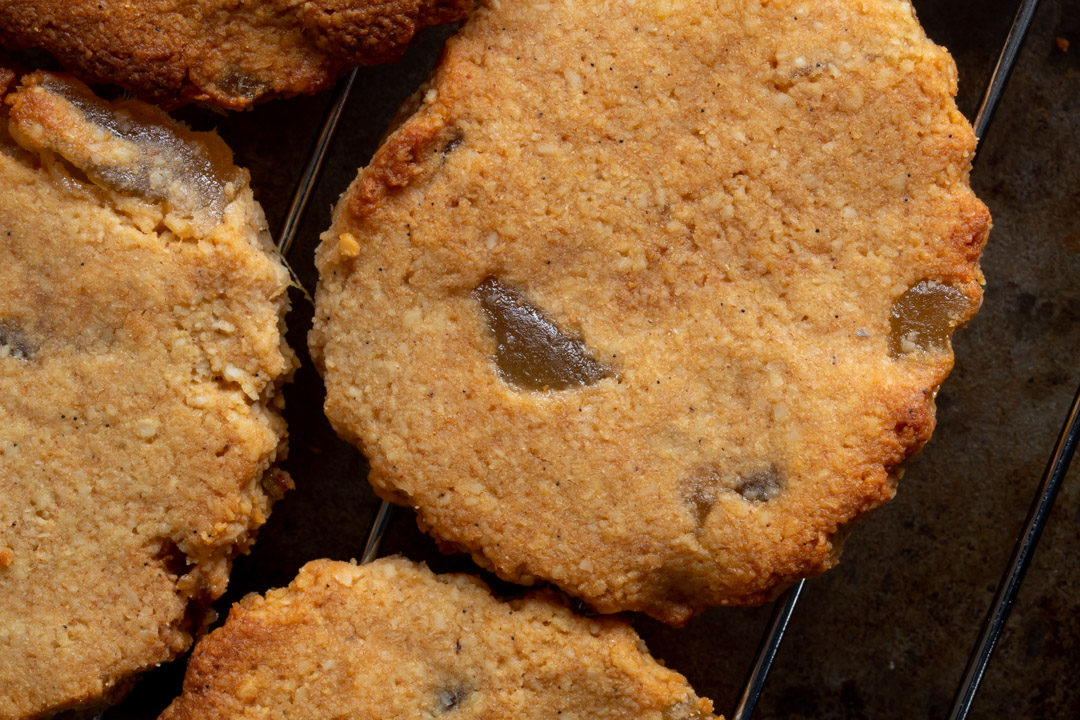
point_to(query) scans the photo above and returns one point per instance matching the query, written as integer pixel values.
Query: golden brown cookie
(392, 640)
(651, 300)
(228, 53)
(141, 354)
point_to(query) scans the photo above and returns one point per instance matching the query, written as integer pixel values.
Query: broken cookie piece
(141, 358)
(392, 640)
(227, 53)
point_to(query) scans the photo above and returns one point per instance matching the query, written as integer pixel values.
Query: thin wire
(316, 159)
(378, 530)
(301, 198)
(1000, 77)
(770, 644)
(1026, 544)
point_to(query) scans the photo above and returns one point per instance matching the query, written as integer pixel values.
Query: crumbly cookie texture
(219, 51)
(649, 300)
(141, 354)
(393, 640)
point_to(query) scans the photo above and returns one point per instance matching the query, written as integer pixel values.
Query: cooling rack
(766, 628)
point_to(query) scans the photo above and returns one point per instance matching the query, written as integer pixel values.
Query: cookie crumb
(348, 248)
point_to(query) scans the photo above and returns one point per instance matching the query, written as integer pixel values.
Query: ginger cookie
(651, 301)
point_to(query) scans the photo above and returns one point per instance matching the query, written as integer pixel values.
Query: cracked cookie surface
(754, 218)
(141, 354)
(393, 640)
(227, 53)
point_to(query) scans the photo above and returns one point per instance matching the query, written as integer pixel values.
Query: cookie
(393, 640)
(141, 354)
(652, 301)
(227, 53)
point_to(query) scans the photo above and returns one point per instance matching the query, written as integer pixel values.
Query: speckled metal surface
(887, 633)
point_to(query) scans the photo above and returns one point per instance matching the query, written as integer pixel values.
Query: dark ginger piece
(760, 486)
(531, 352)
(699, 493)
(701, 489)
(450, 698)
(128, 148)
(925, 316)
(13, 342)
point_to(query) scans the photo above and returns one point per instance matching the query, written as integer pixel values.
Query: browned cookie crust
(141, 354)
(392, 640)
(649, 300)
(220, 51)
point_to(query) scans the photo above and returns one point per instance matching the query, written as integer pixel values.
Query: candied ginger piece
(925, 316)
(531, 352)
(127, 148)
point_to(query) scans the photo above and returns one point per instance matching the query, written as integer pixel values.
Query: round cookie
(651, 300)
(228, 53)
(392, 640)
(141, 354)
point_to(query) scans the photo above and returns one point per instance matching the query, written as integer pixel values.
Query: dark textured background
(886, 634)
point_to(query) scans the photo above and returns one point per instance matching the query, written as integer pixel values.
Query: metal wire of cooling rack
(316, 159)
(784, 608)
